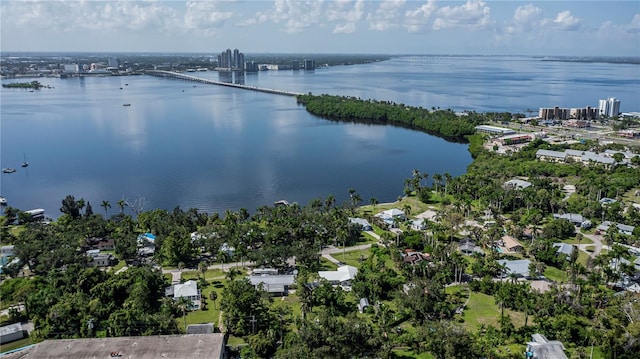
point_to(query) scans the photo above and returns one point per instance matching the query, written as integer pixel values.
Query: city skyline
(572, 28)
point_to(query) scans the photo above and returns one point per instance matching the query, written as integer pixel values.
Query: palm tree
(373, 201)
(81, 204)
(122, 203)
(447, 179)
(437, 179)
(105, 205)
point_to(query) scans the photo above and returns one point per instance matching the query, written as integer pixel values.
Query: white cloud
(472, 15)
(386, 16)
(417, 19)
(120, 16)
(347, 12)
(295, 15)
(525, 18)
(204, 17)
(634, 26)
(565, 21)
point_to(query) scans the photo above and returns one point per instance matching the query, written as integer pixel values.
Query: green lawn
(555, 274)
(584, 240)
(408, 353)
(211, 314)
(352, 258)
(326, 264)
(482, 309)
(208, 275)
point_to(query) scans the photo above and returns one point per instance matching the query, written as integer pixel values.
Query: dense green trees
(443, 123)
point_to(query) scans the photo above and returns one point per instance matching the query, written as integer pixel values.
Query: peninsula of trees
(442, 123)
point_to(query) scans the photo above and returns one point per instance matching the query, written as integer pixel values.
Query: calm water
(215, 148)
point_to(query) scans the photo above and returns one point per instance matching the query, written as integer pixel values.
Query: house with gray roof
(574, 218)
(362, 223)
(542, 348)
(622, 228)
(273, 284)
(518, 267)
(343, 276)
(10, 333)
(551, 156)
(564, 248)
(517, 184)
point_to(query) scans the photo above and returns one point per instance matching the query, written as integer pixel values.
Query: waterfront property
(493, 130)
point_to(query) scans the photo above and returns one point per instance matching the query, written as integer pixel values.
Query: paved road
(597, 243)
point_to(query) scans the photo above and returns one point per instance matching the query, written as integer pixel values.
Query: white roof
(343, 274)
(519, 267)
(390, 213)
(517, 183)
(10, 329)
(549, 153)
(186, 289)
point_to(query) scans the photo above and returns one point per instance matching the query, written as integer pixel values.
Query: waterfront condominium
(609, 107)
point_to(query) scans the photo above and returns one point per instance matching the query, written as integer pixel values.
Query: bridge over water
(181, 76)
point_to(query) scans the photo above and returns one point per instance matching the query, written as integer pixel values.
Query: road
(597, 243)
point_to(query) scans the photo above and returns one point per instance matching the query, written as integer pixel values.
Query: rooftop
(152, 347)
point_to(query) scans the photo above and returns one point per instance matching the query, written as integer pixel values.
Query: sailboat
(25, 163)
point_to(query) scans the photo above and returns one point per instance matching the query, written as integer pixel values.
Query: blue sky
(575, 28)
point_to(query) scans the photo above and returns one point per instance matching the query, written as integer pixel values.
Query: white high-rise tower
(609, 107)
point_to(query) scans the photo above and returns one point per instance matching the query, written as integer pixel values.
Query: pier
(181, 76)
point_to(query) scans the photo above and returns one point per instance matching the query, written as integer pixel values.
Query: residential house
(511, 244)
(419, 224)
(574, 218)
(622, 228)
(564, 249)
(363, 223)
(98, 259)
(105, 244)
(412, 257)
(7, 251)
(343, 276)
(274, 284)
(542, 348)
(10, 333)
(469, 247)
(518, 267)
(391, 215)
(516, 184)
(188, 290)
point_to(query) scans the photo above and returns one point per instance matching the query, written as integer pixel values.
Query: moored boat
(8, 170)
(3, 201)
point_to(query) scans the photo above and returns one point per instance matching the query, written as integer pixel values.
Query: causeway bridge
(181, 76)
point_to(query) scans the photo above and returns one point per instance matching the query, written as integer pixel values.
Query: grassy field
(326, 264)
(482, 309)
(352, 258)
(208, 275)
(584, 240)
(212, 312)
(555, 274)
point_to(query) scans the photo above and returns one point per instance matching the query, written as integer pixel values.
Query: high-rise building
(231, 60)
(309, 64)
(609, 107)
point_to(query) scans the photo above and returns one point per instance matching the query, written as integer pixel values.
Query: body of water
(216, 148)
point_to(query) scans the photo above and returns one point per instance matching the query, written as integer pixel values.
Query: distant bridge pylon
(180, 76)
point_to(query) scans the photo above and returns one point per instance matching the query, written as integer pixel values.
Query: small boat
(25, 163)
(3, 201)
(126, 104)
(8, 170)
